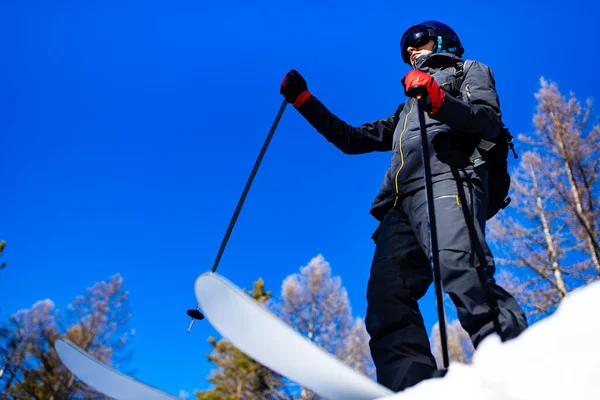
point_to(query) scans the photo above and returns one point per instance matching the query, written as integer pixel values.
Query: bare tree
(316, 304)
(27, 332)
(537, 243)
(460, 347)
(95, 321)
(356, 351)
(549, 245)
(561, 126)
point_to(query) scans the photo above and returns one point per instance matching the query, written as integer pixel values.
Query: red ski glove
(294, 88)
(416, 82)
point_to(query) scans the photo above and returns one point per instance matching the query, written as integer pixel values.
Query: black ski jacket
(471, 111)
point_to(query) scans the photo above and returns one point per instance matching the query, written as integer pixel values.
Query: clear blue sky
(129, 128)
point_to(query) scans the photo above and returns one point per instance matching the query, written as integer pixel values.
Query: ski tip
(195, 314)
(62, 343)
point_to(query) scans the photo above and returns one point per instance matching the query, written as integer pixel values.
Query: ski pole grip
(415, 91)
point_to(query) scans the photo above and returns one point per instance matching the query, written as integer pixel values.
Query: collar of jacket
(435, 61)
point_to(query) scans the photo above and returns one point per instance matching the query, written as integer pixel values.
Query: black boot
(439, 373)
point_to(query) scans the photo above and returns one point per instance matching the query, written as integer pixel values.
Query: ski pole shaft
(247, 187)
(236, 213)
(475, 240)
(192, 320)
(434, 260)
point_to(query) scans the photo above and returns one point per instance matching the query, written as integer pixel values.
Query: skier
(461, 110)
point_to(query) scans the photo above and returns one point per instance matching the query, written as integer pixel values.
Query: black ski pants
(401, 274)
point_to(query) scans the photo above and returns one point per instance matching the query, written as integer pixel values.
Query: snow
(557, 358)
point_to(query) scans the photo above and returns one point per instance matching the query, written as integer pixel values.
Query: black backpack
(495, 153)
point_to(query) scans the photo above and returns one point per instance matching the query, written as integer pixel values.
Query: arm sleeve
(369, 137)
(481, 113)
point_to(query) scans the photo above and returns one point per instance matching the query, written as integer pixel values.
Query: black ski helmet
(447, 40)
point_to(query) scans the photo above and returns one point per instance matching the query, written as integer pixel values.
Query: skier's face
(416, 52)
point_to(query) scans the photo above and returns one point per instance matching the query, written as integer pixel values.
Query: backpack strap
(461, 67)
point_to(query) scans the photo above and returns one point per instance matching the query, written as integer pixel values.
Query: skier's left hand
(294, 88)
(417, 83)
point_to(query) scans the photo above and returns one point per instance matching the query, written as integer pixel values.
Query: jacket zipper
(401, 154)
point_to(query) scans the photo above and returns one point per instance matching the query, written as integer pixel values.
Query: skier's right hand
(294, 88)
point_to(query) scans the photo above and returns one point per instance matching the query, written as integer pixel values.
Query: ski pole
(195, 314)
(469, 219)
(434, 260)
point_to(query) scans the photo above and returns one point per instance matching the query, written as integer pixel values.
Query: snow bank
(557, 358)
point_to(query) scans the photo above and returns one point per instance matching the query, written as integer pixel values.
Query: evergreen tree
(238, 376)
(2, 245)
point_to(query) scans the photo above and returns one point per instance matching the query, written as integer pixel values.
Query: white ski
(262, 336)
(103, 378)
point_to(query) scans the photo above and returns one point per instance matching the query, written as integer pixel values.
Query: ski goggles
(416, 37)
